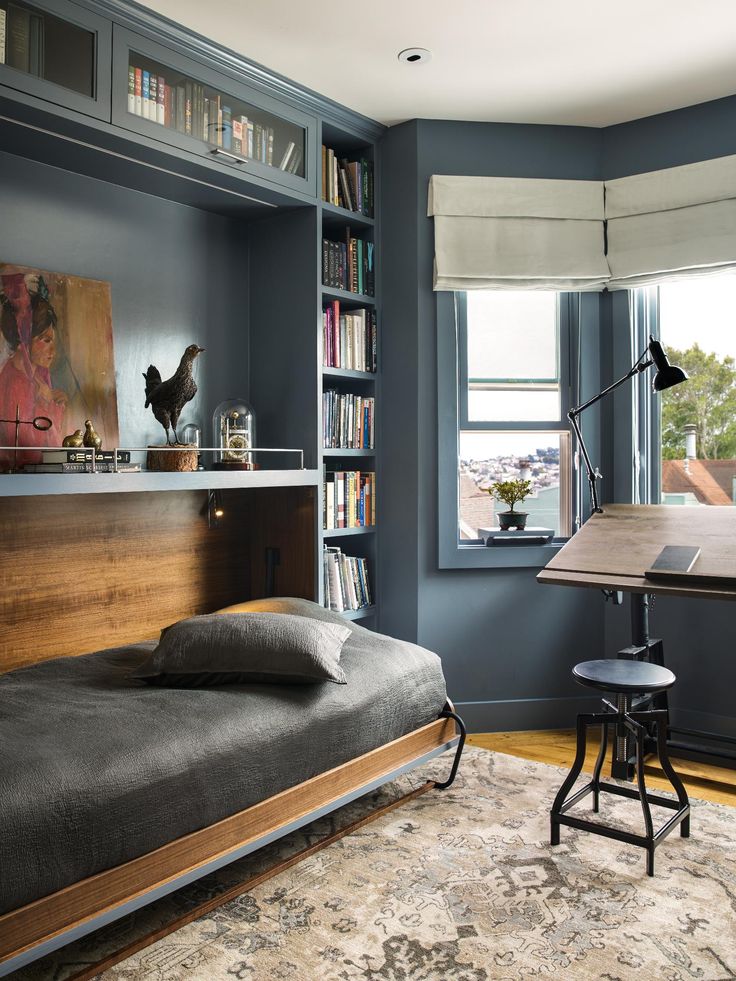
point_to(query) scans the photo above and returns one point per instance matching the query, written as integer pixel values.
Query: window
(511, 396)
(697, 420)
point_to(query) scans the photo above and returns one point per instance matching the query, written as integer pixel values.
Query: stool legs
(599, 766)
(636, 724)
(570, 779)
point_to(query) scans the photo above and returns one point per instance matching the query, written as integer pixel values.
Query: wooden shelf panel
(340, 532)
(366, 611)
(36, 484)
(366, 376)
(346, 297)
(330, 212)
(331, 452)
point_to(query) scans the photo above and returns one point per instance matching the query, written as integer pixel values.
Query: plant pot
(512, 519)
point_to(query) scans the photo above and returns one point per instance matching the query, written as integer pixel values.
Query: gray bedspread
(96, 768)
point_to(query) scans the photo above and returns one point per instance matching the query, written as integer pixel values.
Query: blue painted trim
(46, 947)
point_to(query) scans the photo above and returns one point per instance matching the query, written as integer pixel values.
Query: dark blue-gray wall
(506, 642)
(176, 275)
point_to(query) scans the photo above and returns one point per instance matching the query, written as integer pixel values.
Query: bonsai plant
(511, 492)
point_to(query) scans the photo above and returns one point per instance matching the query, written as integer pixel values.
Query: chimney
(525, 472)
(690, 432)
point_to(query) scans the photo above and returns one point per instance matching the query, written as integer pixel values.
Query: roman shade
(517, 233)
(672, 223)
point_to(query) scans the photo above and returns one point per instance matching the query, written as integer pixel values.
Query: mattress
(97, 768)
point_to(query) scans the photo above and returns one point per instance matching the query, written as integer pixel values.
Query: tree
(707, 401)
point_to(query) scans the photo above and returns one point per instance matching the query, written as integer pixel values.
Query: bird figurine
(74, 439)
(168, 398)
(91, 439)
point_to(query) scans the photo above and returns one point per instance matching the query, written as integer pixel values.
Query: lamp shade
(667, 374)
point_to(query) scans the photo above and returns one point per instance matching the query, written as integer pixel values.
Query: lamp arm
(593, 474)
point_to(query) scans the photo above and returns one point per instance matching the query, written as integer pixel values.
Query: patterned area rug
(455, 886)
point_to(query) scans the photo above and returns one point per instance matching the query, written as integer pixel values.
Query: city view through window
(698, 331)
(512, 376)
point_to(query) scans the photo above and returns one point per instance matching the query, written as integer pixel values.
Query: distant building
(698, 481)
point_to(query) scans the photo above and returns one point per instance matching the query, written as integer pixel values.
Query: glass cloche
(234, 432)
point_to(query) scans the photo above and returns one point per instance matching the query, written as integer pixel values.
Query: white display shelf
(36, 484)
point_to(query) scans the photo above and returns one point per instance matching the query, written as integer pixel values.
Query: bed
(114, 792)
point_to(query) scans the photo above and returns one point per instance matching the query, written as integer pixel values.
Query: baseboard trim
(517, 714)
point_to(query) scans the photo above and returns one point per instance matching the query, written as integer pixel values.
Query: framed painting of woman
(56, 358)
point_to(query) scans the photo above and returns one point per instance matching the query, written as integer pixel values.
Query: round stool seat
(620, 675)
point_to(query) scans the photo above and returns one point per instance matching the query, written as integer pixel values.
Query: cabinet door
(57, 51)
(168, 97)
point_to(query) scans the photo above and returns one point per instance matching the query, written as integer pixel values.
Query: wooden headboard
(83, 572)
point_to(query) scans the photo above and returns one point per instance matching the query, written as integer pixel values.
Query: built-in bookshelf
(350, 348)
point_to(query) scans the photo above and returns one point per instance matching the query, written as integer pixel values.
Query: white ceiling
(527, 61)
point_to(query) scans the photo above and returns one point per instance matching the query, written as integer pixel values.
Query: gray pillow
(246, 648)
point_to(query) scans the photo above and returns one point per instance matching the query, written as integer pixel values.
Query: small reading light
(415, 56)
(215, 510)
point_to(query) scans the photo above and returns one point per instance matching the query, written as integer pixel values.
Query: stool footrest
(613, 788)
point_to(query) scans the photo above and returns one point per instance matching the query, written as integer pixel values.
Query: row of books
(347, 183)
(83, 461)
(346, 584)
(347, 421)
(22, 39)
(349, 499)
(348, 265)
(187, 108)
(349, 340)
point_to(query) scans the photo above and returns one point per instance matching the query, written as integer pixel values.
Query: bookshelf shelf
(366, 611)
(342, 532)
(339, 453)
(348, 298)
(39, 484)
(348, 374)
(333, 216)
(350, 475)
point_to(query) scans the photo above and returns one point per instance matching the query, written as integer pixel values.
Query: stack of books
(189, 108)
(347, 421)
(349, 499)
(81, 461)
(348, 265)
(347, 183)
(349, 340)
(346, 585)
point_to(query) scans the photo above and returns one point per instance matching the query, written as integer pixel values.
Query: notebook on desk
(679, 563)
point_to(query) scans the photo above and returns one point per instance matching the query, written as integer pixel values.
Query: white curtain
(672, 223)
(517, 233)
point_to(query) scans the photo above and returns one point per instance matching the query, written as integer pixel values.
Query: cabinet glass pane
(47, 47)
(178, 102)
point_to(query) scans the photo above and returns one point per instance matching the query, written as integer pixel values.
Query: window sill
(483, 557)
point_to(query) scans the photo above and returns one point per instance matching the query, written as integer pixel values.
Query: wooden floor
(702, 780)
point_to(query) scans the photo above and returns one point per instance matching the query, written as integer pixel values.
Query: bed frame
(59, 578)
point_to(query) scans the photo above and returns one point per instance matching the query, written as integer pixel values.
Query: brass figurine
(74, 439)
(91, 438)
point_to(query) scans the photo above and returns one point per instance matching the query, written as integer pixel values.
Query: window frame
(453, 553)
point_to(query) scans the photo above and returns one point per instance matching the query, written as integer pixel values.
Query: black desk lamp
(666, 376)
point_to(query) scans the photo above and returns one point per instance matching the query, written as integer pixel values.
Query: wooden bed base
(54, 920)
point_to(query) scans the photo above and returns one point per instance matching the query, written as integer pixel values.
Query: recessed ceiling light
(415, 56)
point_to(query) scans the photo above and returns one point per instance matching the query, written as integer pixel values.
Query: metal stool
(623, 679)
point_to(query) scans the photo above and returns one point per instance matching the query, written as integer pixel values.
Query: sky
(702, 310)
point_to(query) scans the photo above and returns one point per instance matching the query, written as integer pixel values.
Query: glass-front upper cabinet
(167, 96)
(57, 51)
